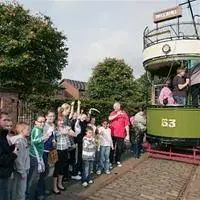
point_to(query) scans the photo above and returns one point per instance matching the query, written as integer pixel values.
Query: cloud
(99, 29)
(106, 43)
(112, 46)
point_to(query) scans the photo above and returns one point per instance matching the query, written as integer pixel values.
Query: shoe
(62, 189)
(65, 179)
(40, 198)
(77, 177)
(56, 193)
(91, 181)
(47, 192)
(92, 172)
(119, 164)
(98, 172)
(70, 168)
(111, 167)
(108, 172)
(85, 184)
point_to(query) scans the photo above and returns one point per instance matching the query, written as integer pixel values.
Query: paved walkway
(144, 179)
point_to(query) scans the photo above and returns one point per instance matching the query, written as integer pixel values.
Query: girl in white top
(105, 144)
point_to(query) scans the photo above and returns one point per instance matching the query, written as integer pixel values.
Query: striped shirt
(89, 148)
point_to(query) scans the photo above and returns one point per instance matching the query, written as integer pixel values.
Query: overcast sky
(99, 29)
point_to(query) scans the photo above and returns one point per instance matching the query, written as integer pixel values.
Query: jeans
(79, 166)
(137, 141)
(32, 179)
(10, 187)
(180, 100)
(19, 187)
(136, 149)
(119, 143)
(104, 158)
(4, 189)
(72, 160)
(42, 179)
(97, 160)
(195, 92)
(87, 169)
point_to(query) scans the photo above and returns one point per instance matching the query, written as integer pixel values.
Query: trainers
(70, 168)
(47, 192)
(107, 172)
(85, 184)
(90, 182)
(111, 167)
(98, 172)
(119, 164)
(76, 177)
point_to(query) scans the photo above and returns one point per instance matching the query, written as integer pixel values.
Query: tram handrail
(175, 31)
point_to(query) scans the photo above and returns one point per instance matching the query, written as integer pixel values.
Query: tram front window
(180, 89)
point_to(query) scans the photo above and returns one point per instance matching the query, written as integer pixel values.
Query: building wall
(71, 90)
(9, 103)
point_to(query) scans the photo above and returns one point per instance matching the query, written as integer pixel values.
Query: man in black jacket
(7, 157)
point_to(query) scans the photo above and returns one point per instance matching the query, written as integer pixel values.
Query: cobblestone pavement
(192, 192)
(152, 180)
(144, 179)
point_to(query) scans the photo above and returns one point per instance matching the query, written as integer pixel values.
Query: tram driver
(180, 83)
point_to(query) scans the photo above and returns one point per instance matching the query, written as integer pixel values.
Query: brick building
(19, 111)
(9, 99)
(71, 89)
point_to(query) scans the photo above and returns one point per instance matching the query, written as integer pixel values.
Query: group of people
(67, 140)
(180, 85)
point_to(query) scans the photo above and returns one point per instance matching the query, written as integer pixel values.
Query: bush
(38, 106)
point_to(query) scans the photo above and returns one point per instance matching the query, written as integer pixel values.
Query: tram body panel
(170, 124)
(177, 48)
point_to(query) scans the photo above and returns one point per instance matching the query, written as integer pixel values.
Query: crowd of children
(67, 140)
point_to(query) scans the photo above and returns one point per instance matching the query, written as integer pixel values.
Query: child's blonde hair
(20, 127)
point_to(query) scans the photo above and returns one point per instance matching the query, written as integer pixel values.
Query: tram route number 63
(168, 123)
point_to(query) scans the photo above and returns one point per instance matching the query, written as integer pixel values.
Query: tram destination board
(167, 14)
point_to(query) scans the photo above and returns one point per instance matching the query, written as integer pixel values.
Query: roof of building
(80, 85)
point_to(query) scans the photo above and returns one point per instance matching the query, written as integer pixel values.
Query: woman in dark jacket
(7, 157)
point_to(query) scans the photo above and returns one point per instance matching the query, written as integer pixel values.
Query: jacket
(36, 140)
(166, 93)
(140, 121)
(48, 144)
(89, 148)
(7, 157)
(22, 163)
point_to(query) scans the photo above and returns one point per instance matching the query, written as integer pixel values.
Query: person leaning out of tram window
(180, 84)
(166, 95)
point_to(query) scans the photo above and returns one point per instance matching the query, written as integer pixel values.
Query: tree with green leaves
(112, 80)
(33, 52)
(143, 86)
